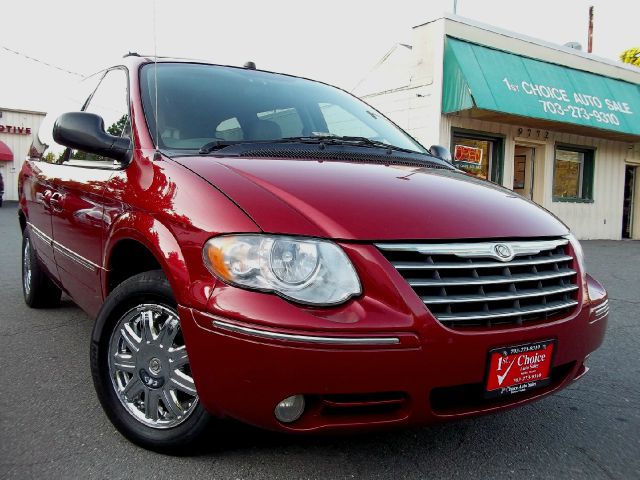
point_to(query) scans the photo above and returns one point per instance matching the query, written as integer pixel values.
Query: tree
(631, 56)
(50, 157)
(117, 128)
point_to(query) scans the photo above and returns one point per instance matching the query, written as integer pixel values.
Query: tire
(148, 393)
(38, 289)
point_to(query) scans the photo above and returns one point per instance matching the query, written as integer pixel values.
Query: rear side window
(287, 119)
(229, 129)
(340, 122)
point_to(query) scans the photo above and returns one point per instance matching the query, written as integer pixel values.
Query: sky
(336, 41)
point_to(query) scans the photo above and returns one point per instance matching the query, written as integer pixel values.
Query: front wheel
(140, 367)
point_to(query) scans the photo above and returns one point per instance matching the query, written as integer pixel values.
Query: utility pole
(590, 44)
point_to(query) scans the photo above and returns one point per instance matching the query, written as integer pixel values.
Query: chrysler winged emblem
(503, 252)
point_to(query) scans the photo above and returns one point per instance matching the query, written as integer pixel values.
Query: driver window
(111, 101)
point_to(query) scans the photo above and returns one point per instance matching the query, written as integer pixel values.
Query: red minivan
(269, 248)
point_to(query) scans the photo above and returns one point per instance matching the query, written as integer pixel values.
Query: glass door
(629, 200)
(523, 170)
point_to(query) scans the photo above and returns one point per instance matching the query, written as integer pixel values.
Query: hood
(360, 201)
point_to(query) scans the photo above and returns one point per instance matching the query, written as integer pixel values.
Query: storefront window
(573, 174)
(477, 155)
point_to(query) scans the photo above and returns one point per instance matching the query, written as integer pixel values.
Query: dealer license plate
(519, 368)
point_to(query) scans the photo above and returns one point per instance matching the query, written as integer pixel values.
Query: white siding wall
(416, 106)
(19, 145)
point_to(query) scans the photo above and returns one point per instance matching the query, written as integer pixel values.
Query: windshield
(199, 103)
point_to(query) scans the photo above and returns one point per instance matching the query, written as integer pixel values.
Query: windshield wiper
(316, 139)
(347, 140)
(217, 145)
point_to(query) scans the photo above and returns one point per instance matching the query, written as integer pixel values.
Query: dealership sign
(561, 102)
(14, 129)
(483, 78)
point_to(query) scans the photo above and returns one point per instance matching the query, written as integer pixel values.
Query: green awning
(487, 79)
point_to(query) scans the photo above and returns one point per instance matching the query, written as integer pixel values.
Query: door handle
(45, 198)
(57, 201)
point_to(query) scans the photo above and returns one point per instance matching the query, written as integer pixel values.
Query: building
(554, 124)
(18, 134)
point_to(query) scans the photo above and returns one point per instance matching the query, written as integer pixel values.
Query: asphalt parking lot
(52, 426)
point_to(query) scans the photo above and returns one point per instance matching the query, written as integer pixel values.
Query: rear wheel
(140, 367)
(38, 289)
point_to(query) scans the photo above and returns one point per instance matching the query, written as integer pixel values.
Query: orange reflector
(216, 260)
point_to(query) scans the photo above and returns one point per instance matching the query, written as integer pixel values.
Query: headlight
(305, 270)
(577, 248)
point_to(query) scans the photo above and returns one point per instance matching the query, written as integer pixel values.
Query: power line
(41, 62)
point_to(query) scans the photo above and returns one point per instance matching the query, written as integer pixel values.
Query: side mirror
(85, 131)
(443, 153)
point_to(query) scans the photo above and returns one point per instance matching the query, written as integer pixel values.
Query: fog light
(290, 409)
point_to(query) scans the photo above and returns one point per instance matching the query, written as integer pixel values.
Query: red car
(269, 248)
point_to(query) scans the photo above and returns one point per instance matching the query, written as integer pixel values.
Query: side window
(573, 171)
(111, 102)
(287, 119)
(340, 122)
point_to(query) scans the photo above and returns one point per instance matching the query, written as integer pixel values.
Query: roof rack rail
(168, 57)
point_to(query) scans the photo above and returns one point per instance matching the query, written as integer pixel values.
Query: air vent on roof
(574, 45)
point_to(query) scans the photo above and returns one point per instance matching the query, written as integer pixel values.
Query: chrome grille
(487, 283)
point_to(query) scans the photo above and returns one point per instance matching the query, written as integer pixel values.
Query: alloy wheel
(149, 367)
(26, 267)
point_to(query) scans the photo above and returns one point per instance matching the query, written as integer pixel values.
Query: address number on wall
(533, 133)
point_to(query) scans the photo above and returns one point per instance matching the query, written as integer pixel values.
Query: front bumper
(430, 374)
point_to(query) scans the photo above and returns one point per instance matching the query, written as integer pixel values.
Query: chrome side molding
(70, 254)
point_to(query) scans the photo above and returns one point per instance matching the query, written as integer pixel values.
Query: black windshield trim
(352, 153)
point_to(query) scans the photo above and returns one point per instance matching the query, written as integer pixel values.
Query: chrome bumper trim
(600, 311)
(305, 338)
